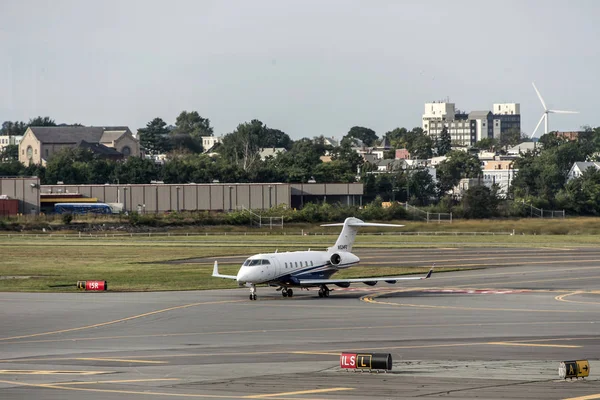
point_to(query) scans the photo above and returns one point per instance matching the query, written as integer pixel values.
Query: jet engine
(335, 259)
(343, 259)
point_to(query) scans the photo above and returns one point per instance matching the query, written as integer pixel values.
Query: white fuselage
(288, 268)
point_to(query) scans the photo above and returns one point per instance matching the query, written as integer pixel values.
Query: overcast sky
(307, 67)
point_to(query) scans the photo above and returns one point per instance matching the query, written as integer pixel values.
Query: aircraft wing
(363, 280)
(217, 275)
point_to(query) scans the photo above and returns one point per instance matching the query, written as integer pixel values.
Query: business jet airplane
(305, 269)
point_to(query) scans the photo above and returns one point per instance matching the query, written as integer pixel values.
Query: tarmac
(497, 332)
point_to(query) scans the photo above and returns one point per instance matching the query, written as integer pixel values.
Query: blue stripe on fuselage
(307, 273)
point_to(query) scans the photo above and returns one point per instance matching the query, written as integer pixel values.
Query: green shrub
(67, 218)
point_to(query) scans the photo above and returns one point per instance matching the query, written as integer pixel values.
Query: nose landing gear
(252, 292)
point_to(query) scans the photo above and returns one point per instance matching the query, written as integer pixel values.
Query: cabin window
(306, 263)
(296, 262)
(311, 263)
(286, 265)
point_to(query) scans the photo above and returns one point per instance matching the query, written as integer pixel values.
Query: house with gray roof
(40, 143)
(578, 168)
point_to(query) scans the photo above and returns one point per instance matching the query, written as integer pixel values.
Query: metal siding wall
(256, 197)
(110, 194)
(243, 196)
(356, 188)
(19, 193)
(189, 197)
(150, 198)
(204, 197)
(137, 197)
(315, 189)
(164, 198)
(283, 195)
(7, 187)
(336, 189)
(98, 192)
(217, 197)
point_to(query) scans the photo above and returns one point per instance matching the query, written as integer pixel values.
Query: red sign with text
(348, 360)
(95, 285)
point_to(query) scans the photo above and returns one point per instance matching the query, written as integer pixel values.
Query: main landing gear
(323, 291)
(285, 292)
(252, 292)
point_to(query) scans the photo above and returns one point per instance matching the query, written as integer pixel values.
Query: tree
(275, 138)
(421, 147)
(299, 163)
(10, 153)
(487, 144)
(242, 145)
(480, 202)
(444, 144)
(136, 170)
(457, 166)
(16, 128)
(191, 123)
(366, 135)
(41, 121)
(183, 143)
(420, 187)
(154, 137)
(346, 154)
(69, 165)
(510, 137)
(582, 195)
(542, 176)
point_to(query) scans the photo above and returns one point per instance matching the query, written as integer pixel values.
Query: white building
(208, 142)
(270, 152)
(6, 140)
(468, 128)
(499, 173)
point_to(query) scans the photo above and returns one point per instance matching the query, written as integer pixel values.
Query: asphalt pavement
(497, 332)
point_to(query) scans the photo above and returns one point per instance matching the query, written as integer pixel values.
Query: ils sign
(355, 361)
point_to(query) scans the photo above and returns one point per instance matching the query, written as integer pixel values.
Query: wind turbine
(546, 112)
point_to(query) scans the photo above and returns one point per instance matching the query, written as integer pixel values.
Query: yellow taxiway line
(300, 392)
(49, 372)
(588, 397)
(279, 396)
(120, 320)
(533, 344)
(121, 360)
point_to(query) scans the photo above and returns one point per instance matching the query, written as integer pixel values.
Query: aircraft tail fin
(350, 226)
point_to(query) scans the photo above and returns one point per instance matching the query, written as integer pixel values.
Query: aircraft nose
(242, 275)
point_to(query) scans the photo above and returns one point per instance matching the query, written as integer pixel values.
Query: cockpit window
(252, 263)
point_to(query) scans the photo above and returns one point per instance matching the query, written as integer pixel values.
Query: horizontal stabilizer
(363, 224)
(217, 275)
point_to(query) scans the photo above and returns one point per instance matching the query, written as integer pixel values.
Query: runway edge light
(574, 369)
(366, 361)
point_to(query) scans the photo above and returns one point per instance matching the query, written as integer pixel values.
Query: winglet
(428, 274)
(216, 273)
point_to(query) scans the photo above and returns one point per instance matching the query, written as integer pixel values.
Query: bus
(82, 208)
